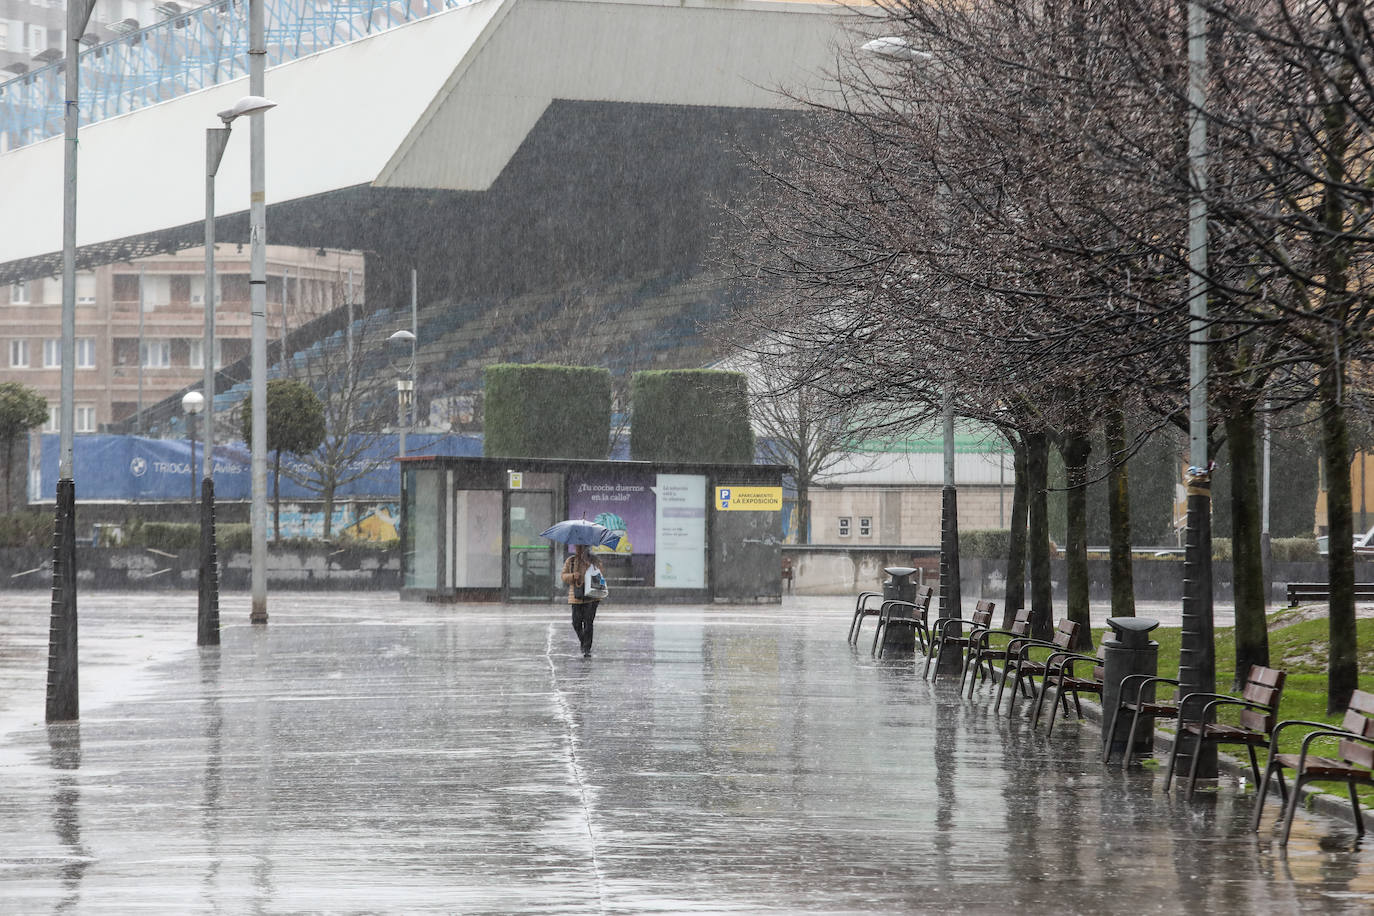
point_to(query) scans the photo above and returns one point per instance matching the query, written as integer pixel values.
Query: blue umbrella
(581, 531)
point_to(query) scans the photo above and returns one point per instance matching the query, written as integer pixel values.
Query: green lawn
(1297, 648)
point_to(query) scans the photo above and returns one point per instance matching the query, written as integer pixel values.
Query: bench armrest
(1029, 643)
(1197, 698)
(1329, 733)
(1144, 680)
(1229, 701)
(984, 634)
(943, 623)
(1067, 660)
(864, 597)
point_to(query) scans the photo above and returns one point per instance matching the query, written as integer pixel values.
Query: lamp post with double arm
(216, 139)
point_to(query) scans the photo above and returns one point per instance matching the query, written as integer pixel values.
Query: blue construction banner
(133, 468)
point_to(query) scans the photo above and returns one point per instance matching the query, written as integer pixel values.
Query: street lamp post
(61, 699)
(257, 286)
(897, 48)
(1197, 653)
(216, 139)
(192, 402)
(402, 349)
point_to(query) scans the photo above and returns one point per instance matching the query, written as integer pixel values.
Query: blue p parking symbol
(725, 497)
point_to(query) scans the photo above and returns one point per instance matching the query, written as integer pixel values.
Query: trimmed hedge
(537, 411)
(27, 529)
(692, 415)
(1294, 550)
(993, 543)
(163, 535)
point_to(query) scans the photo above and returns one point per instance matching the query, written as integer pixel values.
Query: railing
(190, 51)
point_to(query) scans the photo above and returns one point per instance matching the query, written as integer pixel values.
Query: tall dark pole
(1197, 656)
(191, 468)
(257, 291)
(207, 574)
(950, 598)
(62, 703)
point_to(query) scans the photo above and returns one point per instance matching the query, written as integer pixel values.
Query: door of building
(529, 557)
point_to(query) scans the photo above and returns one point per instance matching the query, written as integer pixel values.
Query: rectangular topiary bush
(537, 411)
(993, 543)
(693, 415)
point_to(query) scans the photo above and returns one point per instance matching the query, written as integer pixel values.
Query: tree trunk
(1016, 547)
(1342, 672)
(803, 511)
(1038, 534)
(1119, 515)
(1247, 557)
(276, 495)
(1075, 449)
(9, 474)
(328, 508)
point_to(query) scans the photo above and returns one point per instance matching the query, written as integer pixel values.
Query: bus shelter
(689, 532)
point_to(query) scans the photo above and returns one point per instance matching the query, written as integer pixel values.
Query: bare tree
(358, 403)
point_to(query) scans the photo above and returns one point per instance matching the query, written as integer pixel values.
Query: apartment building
(127, 356)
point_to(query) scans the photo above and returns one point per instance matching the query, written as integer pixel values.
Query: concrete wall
(902, 515)
(134, 568)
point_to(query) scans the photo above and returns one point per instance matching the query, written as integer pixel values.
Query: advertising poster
(625, 505)
(680, 531)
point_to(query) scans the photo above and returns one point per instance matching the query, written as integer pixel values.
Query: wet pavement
(359, 754)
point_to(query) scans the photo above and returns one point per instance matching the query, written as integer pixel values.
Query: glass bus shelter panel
(529, 557)
(477, 539)
(423, 534)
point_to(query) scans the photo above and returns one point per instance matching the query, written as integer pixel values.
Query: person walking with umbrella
(583, 607)
(582, 534)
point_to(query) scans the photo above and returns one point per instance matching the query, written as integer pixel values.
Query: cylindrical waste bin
(1129, 650)
(899, 587)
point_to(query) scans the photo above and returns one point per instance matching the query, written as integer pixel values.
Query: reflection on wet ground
(359, 754)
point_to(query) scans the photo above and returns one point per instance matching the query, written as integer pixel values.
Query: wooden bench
(1259, 713)
(1321, 591)
(1022, 669)
(950, 632)
(868, 604)
(983, 651)
(1062, 677)
(905, 614)
(1352, 765)
(1143, 703)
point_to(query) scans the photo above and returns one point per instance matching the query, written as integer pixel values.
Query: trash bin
(899, 587)
(1130, 650)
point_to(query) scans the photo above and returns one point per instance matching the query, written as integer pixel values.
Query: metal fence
(187, 51)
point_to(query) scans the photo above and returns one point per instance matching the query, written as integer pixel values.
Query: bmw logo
(138, 466)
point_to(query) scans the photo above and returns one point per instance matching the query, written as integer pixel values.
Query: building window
(85, 353)
(198, 290)
(157, 292)
(844, 527)
(85, 418)
(85, 289)
(52, 290)
(198, 354)
(19, 292)
(19, 354)
(52, 353)
(865, 527)
(51, 426)
(156, 354)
